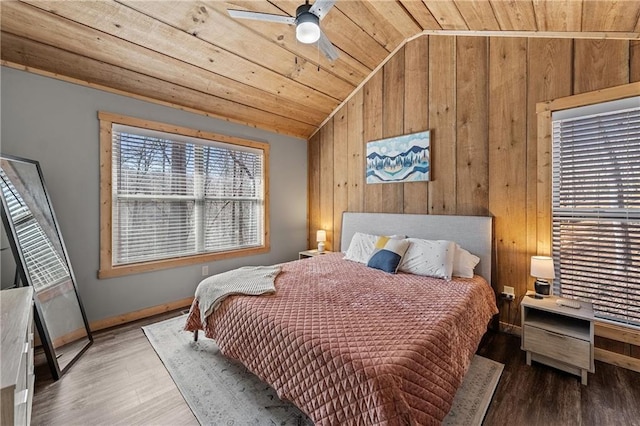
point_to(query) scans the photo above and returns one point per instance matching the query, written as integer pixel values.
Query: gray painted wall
(56, 123)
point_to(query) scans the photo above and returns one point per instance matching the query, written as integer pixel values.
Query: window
(596, 207)
(175, 196)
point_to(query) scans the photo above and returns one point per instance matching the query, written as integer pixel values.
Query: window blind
(596, 211)
(176, 196)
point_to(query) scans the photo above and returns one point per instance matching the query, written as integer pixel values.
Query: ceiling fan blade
(245, 14)
(321, 7)
(327, 48)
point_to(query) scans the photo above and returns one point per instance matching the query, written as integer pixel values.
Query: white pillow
(431, 258)
(361, 247)
(464, 263)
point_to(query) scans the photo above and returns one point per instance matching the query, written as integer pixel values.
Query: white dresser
(16, 328)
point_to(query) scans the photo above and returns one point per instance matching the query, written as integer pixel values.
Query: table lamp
(542, 269)
(321, 237)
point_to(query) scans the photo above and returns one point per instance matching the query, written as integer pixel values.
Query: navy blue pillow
(388, 254)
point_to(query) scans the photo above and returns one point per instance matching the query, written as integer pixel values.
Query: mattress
(348, 344)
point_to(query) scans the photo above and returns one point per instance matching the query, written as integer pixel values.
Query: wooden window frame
(107, 269)
(544, 111)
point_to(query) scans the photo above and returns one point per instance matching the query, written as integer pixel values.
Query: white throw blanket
(251, 280)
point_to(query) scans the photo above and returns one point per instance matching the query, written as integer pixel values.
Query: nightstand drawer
(557, 346)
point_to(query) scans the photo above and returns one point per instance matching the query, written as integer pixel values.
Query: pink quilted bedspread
(348, 344)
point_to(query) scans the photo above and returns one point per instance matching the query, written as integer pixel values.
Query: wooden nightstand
(558, 336)
(311, 253)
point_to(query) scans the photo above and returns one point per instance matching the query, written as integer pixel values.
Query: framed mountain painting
(399, 159)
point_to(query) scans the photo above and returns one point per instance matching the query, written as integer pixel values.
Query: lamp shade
(307, 28)
(321, 236)
(542, 267)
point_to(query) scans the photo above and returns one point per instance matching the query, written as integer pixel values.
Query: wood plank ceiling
(191, 54)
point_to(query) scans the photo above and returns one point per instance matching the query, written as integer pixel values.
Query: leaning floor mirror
(43, 263)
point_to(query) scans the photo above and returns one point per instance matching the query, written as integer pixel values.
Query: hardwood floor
(540, 395)
(120, 380)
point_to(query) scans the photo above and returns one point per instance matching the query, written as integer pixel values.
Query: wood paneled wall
(478, 96)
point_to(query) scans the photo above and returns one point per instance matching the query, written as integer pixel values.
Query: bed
(349, 344)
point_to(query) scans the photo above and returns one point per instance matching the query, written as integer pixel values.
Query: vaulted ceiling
(191, 54)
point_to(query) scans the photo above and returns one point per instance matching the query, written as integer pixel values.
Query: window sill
(617, 332)
(157, 265)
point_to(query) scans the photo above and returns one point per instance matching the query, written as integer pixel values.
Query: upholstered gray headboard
(473, 233)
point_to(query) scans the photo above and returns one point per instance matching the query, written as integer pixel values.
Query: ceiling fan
(307, 22)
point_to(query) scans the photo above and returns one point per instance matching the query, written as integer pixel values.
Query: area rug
(221, 391)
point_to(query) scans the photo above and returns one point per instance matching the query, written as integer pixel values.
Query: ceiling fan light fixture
(307, 28)
(307, 22)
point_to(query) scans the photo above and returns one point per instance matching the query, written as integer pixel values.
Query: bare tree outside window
(596, 211)
(173, 198)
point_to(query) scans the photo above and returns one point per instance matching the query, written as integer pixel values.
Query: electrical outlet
(508, 293)
(507, 296)
(205, 270)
